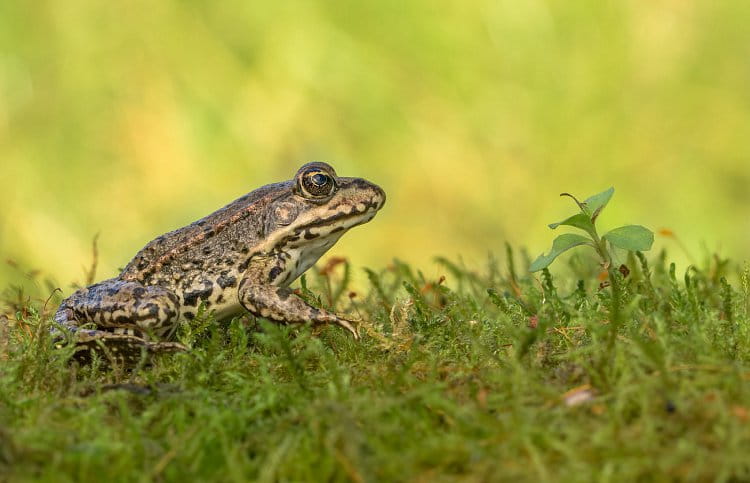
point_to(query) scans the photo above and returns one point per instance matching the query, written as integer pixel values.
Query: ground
(481, 375)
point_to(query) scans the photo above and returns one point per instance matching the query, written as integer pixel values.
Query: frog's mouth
(337, 222)
(361, 214)
(335, 225)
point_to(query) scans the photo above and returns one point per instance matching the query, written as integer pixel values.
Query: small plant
(629, 237)
(635, 238)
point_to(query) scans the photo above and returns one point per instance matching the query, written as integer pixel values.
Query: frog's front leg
(121, 315)
(279, 303)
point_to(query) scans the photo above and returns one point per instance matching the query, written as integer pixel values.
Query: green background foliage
(131, 119)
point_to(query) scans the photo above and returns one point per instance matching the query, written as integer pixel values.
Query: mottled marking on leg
(274, 273)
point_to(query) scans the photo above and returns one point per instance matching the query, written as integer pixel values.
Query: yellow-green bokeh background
(129, 119)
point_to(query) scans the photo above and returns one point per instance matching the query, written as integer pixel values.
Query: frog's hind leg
(116, 318)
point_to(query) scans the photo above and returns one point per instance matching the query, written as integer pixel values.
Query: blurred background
(130, 119)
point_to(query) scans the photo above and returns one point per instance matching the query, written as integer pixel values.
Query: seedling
(628, 237)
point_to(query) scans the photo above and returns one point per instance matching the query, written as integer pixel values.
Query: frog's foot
(280, 304)
(122, 348)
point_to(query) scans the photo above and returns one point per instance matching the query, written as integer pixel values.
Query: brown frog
(243, 256)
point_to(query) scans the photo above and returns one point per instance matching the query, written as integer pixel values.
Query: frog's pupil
(319, 179)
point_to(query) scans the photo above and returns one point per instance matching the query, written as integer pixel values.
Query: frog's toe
(348, 325)
(165, 347)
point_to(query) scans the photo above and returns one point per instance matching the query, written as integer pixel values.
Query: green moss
(467, 378)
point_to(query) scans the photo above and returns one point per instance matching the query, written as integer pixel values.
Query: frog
(239, 259)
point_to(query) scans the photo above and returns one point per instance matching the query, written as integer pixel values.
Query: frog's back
(227, 234)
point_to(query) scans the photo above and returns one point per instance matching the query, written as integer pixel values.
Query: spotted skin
(241, 257)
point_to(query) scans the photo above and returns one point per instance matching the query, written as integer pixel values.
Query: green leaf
(595, 204)
(579, 220)
(561, 244)
(635, 238)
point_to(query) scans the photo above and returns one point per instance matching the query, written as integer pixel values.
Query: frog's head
(320, 208)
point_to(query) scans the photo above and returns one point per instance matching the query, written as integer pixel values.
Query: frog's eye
(317, 184)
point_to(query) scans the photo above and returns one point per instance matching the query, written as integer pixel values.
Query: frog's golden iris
(315, 183)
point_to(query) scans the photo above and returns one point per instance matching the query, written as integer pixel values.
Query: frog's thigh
(282, 305)
(123, 304)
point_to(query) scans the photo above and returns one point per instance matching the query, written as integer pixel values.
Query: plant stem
(614, 281)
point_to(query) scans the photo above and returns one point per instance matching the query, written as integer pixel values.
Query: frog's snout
(379, 196)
